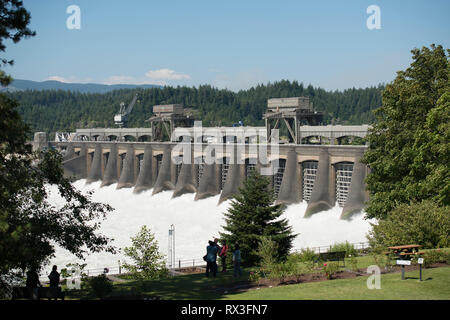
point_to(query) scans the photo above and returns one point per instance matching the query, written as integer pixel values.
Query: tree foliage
(148, 262)
(14, 19)
(253, 215)
(409, 150)
(30, 226)
(423, 223)
(52, 110)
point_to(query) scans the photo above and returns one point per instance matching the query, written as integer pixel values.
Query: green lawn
(436, 285)
(186, 287)
(197, 286)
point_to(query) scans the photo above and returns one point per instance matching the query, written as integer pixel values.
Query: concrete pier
(127, 178)
(322, 197)
(235, 177)
(209, 182)
(290, 185)
(111, 171)
(76, 167)
(95, 172)
(164, 179)
(145, 179)
(187, 179)
(357, 195)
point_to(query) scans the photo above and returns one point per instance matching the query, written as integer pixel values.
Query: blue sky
(228, 44)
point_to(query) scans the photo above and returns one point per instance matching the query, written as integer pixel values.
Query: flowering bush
(330, 269)
(255, 276)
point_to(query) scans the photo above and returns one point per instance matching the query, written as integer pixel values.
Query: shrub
(353, 262)
(280, 271)
(330, 269)
(300, 269)
(435, 256)
(422, 223)
(255, 276)
(267, 253)
(100, 285)
(344, 246)
(307, 255)
(148, 262)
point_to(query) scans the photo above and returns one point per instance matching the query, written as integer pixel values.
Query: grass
(186, 287)
(436, 286)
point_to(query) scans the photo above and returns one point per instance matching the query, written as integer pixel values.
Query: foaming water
(195, 223)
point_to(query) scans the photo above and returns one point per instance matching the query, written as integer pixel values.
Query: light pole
(171, 255)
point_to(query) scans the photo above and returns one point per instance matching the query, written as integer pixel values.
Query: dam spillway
(321, 175)
(215, 161)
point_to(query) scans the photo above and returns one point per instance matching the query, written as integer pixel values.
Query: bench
(332, 256)
(43, 292)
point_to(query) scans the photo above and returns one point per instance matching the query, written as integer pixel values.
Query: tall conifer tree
(253, 214)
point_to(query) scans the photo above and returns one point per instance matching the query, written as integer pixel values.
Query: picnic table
(404, 254)
(405, 251)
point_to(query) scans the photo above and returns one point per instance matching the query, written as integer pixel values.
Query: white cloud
(166, 74)
(58, 78)
(71, 79)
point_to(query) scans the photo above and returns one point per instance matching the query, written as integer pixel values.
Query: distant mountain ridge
(21, 85)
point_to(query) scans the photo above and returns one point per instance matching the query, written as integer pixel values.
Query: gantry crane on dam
(121, 119)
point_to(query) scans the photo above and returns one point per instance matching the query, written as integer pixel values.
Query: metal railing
(319, 249)
(194, 263)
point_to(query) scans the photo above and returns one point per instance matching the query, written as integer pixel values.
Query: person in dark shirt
(54, 277)
(211, 256)
(33, 283)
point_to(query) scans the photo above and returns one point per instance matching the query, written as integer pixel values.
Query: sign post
(403, 263)
(420, 262)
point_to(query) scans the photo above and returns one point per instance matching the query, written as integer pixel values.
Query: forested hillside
(51, 110)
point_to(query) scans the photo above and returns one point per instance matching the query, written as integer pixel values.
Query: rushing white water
(195, 222)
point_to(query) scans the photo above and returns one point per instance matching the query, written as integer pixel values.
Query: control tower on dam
(214, 161)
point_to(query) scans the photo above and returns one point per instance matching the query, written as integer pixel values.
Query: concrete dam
(216, 160)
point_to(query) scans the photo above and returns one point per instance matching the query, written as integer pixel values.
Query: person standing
(223, 255)
(211, 256)
(33, 283)
(54, 277)
(237, 261)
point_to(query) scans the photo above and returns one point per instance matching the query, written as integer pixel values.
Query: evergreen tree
(253, 215)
